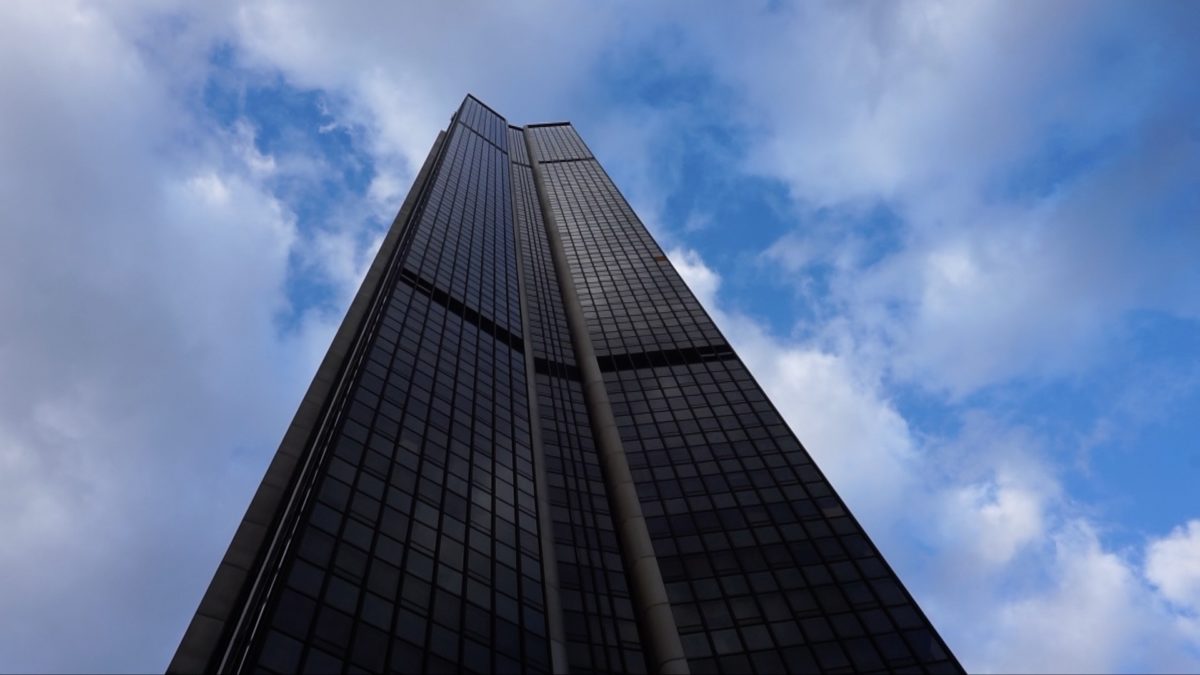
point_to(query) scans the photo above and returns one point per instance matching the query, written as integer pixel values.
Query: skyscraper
(529, 449)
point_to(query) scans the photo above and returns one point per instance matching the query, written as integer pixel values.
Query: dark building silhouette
(529, 449)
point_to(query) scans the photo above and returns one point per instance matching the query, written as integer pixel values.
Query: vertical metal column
(656, 623)
(554, 615)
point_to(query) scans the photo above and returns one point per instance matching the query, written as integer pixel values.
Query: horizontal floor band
(608, 363)
(485, 139)
(664, 357)
(656, 359)
(456, 306)
(568, 159)
(545, 366)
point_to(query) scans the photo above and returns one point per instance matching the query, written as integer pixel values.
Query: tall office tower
(529, 449)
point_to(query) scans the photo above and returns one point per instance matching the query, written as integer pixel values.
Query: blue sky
(956, 242)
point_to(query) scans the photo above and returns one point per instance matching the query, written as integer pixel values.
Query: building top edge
(475, 98)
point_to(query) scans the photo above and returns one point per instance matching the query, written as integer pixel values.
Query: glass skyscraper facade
(529, 449)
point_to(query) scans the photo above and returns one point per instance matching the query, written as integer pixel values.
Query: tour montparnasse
(529, 449)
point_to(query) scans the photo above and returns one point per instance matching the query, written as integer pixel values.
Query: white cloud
(209, 188)
(1093, 615)
(939, 111)
(1038, 292)
(995, 519)
(145, 381)
(1087, 621)
(258, 163)
(1173, 565)
(699, 277)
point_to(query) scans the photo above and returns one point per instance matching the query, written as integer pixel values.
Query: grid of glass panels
(765, 569)
(633, 301)
(600, 630)
(558, 142)
(419, 548)
(484, 121)
(463, 248)
(516, 147)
